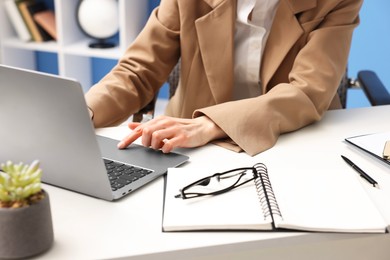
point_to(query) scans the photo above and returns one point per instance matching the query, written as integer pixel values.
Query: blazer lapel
(285, 31)
(215, 33)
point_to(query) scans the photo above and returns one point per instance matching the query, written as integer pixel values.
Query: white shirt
(249, 40)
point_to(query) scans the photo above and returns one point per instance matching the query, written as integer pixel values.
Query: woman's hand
(166, 133)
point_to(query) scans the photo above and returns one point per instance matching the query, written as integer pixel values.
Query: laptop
(45, 117)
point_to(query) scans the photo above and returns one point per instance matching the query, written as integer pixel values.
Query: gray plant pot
(26, 231)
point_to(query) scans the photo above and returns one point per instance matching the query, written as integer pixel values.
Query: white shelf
(71, 48)
(81, 49)
(16, 43)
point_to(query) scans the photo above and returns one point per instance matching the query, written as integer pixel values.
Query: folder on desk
(323, 200)
(373, 144)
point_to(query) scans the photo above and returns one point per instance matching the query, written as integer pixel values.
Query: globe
(98, 19)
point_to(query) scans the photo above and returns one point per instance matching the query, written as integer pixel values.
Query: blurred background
(370, 50)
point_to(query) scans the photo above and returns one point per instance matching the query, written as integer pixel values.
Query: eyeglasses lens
(219, 182)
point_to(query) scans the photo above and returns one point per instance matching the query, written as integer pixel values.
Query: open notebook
(313, 200)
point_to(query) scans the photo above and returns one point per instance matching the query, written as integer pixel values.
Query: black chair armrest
(375, 91)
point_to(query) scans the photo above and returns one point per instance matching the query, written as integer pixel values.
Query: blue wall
(371, 46)
(370, 50)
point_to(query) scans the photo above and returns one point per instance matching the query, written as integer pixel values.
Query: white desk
(89, 228)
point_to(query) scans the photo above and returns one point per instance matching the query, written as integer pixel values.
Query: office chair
(367, 80)
(371, 85)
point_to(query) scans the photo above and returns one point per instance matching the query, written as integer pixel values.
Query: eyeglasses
(219, 183)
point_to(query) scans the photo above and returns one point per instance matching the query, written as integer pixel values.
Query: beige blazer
(304, 59)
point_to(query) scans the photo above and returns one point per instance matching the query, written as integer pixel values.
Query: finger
(129, 139)
(158, 137)
(146, 137)
(167, 146)
(170, 144)
(150, 132)
(133, 125)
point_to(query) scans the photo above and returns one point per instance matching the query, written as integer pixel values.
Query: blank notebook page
(236, 209)
(325, 200)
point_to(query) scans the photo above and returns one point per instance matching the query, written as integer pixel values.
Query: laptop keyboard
(121, 174)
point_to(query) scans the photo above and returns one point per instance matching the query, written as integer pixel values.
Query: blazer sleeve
(255, 124)
(142, 70)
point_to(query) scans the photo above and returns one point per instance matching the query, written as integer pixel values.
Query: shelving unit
(71, 49)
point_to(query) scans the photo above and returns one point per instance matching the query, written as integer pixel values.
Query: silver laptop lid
(45, 117)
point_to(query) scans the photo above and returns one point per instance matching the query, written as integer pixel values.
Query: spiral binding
(265, 193)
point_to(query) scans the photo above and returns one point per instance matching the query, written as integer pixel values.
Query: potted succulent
(25, 218)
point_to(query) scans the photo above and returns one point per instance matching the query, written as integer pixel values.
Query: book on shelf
(318, 200)
(28, 8)
(46, 19)
(17, 20)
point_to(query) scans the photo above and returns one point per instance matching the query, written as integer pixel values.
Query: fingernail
(120, 145)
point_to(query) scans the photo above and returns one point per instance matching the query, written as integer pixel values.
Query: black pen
(361, 172)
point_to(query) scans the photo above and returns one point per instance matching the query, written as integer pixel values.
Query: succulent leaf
(19, 181)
